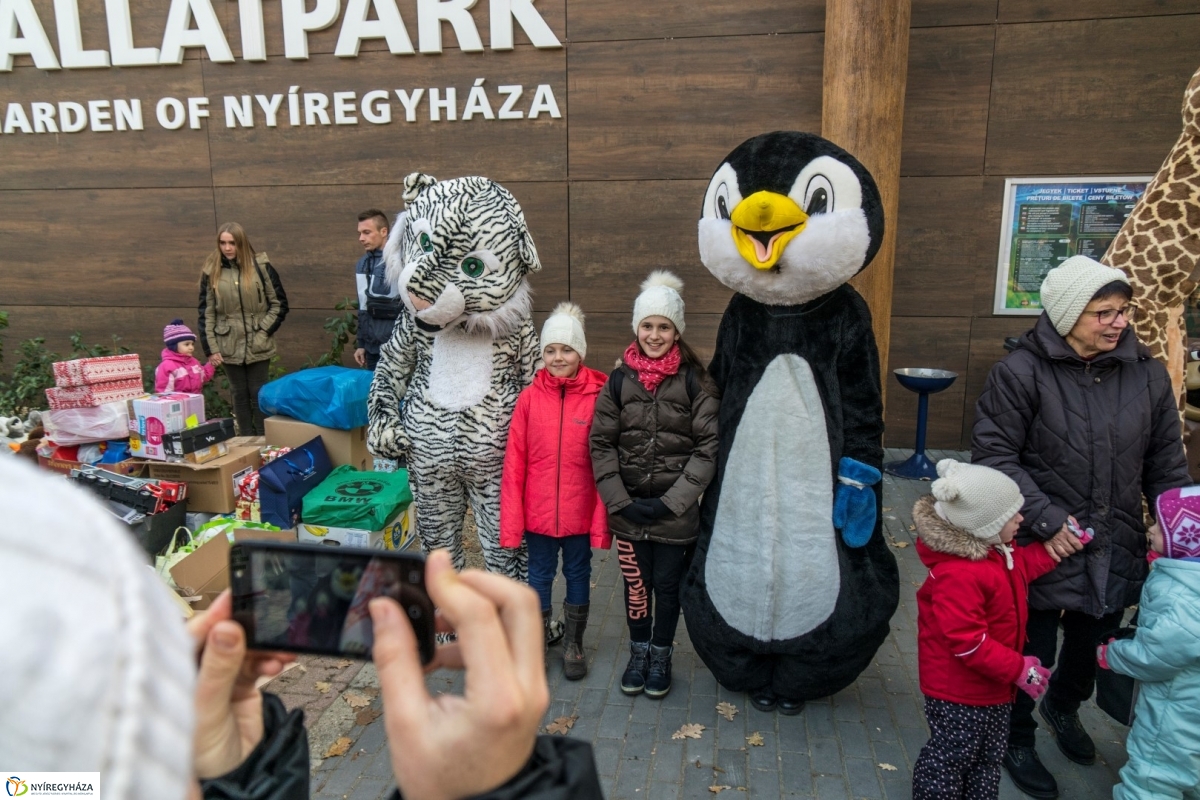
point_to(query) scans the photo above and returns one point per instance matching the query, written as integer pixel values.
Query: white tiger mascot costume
(448, 379)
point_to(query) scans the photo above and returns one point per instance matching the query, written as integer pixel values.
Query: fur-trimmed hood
(941, 537)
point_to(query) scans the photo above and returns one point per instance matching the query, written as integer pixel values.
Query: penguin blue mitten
(854, 501)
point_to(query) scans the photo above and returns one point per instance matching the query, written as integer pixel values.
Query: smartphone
(308, 598)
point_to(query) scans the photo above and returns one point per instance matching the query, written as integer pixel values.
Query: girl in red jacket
(547, 492)
(971, 614)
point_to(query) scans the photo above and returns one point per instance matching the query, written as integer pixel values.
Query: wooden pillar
(866, 69)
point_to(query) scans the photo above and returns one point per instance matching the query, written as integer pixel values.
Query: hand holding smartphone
(314, 599)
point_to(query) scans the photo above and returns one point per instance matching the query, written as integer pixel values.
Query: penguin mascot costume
(792, 585)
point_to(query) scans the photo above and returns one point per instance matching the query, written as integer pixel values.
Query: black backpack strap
(616, 379)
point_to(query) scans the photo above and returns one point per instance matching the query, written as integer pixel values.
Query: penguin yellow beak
(763, 224)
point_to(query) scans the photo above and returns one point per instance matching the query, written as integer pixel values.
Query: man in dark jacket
(1084, 420)
(378, 303)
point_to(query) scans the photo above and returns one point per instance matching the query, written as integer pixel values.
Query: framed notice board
(1048, 220)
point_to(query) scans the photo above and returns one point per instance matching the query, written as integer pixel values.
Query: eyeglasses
(1109, 315)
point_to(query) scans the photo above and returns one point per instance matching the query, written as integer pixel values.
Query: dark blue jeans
(576, 565)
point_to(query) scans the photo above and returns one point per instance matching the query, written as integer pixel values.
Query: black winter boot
(1029, 774)
(552, 629)
(1069, 734)
(634, 679)
(658, 681)
(574, 661)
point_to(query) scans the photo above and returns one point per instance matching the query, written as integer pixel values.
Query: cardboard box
(399, 534)
(127, 467)
(152, 418)
(212, 486)
(343, 447)
(201, 456)
(204, 573)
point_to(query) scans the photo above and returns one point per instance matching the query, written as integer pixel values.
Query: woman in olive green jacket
(242, 304)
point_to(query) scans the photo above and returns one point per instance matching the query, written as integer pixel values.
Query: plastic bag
(332, 397)
(85, 425)
(352, 499)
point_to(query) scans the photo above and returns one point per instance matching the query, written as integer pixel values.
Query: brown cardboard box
(130, 466)
(343, 447)
(205, 571)
(212, 486)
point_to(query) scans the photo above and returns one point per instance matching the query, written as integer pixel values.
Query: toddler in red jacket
(971, 615)
(547, 493)
(179, 370)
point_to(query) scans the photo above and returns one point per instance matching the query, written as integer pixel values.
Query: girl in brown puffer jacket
(654, 448)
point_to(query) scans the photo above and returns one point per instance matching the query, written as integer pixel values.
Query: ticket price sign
(1048, 220)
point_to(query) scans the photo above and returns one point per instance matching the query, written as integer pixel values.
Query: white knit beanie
(565, 326)
(98, 668)
(660, 298)
(978, 499)
(1068, 288)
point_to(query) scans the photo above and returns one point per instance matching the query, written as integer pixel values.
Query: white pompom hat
(978, 499)
(660, 298)
(565, 326)
(1069, 287)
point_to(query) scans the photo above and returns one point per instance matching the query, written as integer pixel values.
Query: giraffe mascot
(1159, 247)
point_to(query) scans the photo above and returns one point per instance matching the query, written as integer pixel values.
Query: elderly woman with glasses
(1085, 422)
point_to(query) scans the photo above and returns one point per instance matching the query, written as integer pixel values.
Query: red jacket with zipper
(971, 612)
(547, 486)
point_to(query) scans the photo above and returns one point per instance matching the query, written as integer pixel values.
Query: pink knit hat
(1179, 519)
(177, 332)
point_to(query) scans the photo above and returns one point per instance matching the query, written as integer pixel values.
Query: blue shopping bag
(283, 483)
(332, 397)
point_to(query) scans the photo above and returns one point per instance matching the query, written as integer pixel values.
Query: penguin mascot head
(788, 217)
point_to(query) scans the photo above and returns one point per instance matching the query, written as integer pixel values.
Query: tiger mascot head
(460, 254)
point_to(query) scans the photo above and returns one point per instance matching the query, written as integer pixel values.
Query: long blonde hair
(245, 254)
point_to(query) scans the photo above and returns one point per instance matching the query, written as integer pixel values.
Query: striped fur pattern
(448, 379)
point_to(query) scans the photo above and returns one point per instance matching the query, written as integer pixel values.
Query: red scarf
(652, 371)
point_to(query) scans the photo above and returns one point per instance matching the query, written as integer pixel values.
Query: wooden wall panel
(115, 247)
(609, 333)
(949, 82)
(938, 343)
(325, 41)
(938, 262)
(934, 13)
(1046, 10)
(149, 17)
(310, 234)
(608, 20)
(504, 150)
(622, 230)
(150, 157)
(673, 108)
(987, 347)
(1060, 108)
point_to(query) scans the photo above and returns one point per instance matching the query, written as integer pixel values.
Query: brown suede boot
(574, 661)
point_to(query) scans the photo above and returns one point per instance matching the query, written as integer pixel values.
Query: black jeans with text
(244, 381)
(652, 572)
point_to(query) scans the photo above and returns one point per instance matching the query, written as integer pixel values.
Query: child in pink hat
(179, 370)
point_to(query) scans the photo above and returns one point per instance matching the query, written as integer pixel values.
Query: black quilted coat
(1090, 439)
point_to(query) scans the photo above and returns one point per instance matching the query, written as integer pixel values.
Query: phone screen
(313, 599)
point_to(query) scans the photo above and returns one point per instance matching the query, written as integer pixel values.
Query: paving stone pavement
(845, 746)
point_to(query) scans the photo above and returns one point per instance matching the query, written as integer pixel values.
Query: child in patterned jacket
(179, 370)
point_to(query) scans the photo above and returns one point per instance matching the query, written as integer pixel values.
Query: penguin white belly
(772, 570)
(460, 372)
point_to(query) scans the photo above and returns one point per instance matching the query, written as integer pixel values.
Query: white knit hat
(660, 298)
(1068, 288)
(98, 669)
(978, 499)
(565, 326)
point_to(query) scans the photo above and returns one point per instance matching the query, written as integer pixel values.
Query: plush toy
(1158, 247)
(448, 379)
(792, 585)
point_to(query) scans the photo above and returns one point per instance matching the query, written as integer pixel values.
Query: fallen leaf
(370, 691)
(689, 730)
(887, 767)
(887, 508)
(367, 716)
(718, 769)
(900, 545)
(302, 668)
(727, 710)
(322, 686)
(356, 700)
(718, 789)
(755, 739)
(562, 724)
(912, 527)
(697, 764)
(357, 753)
(338, 748)
(345, 662)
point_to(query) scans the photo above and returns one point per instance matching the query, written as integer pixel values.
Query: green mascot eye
(426, 243)
(472, 267)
